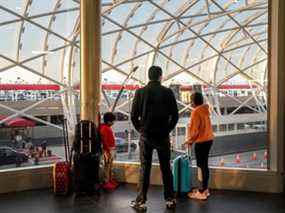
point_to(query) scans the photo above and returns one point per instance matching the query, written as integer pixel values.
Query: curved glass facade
(216, 46)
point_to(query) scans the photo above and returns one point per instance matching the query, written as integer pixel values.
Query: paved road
(230, 160)
(236, 160)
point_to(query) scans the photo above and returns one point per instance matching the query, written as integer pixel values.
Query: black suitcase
(87, 154)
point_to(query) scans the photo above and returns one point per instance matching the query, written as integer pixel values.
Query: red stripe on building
(54, 87)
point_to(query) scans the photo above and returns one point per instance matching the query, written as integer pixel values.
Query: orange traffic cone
(237, 158)
(265, 155)
(254, 157)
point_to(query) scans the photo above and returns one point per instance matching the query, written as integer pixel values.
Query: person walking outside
(154, 115)
(200, 132)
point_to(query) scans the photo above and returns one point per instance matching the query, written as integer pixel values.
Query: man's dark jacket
(154, 111)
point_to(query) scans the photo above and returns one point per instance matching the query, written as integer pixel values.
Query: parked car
(11, 156)
(122, 145)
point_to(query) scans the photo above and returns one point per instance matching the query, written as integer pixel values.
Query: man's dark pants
(162, 147)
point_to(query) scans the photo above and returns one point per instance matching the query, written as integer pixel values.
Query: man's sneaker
(198, 195)
(138, 205)
(170, 203)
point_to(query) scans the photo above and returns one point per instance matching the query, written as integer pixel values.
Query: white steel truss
(184, 37)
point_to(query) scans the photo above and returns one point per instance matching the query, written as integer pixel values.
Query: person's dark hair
(197, 98)
(109, 117)
(154, 72)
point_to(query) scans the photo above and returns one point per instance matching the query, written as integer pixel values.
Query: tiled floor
(43, 201)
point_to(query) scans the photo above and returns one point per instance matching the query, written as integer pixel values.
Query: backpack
(87, 138)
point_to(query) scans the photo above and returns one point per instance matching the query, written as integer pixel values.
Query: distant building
(176, 90)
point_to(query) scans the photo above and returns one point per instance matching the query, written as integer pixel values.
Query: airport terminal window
(181, 131)
(34, 60)
(239, 93)
(231, 127)
(57, 119)
(240, 126)
(223, 127)
(44, 118)
(225, 57)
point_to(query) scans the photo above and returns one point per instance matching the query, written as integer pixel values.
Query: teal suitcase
(182, 174)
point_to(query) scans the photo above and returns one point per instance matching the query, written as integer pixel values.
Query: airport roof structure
(208, 42)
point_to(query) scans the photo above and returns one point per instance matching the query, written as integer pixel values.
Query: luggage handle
(90, 142)
(81, 139)
(67, 139)
(179, 177)
(68, 153)
(189, 152)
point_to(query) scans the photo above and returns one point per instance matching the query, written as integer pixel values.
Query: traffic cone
(237, 158)
(222, 162)
(265, 155)
(254, 157)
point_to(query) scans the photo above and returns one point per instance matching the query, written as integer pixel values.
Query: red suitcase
(62, 170)
(61, 178)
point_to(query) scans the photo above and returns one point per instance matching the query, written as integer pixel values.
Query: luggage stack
(87, 155)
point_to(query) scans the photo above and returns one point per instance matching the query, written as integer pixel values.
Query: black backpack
(87, 138)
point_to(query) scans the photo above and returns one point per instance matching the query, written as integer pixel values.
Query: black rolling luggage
(87, 154)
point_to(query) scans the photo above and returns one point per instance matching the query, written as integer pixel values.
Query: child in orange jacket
(200, 132)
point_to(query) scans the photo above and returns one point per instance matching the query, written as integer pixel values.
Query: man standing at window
(154, 114)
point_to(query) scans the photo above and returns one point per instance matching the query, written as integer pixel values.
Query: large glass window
(39, 55)
(217, 47)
